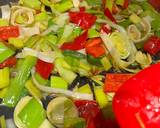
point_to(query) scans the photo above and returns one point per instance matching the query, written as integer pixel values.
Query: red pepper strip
(8, 31)
(94, 47)
(44, 68)
(126, 3)
(83, 19)
(79, 43)
(152, 46)
(10, 62)
(114, 81)
(109, 15)
(137, 102)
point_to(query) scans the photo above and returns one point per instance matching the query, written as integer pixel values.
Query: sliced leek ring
(21, 104)
(22, 11)
(143, 59)
(60, 108)
(119, 43)
(135, 34)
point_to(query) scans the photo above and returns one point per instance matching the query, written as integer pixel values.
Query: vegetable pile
(62, 61)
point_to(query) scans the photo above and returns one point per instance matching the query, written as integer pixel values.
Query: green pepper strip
(17, 85)
(74, 54)
(94, 61)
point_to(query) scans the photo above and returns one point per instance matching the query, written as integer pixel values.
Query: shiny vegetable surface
(77, 44)
(17, 84)
(44, 68)
(137, 100)
(79, 63)
(83, 19)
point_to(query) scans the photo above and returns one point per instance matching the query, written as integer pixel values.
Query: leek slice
(29, 113)
(119, 43)
(32, 118)
(139, 36)
(28, 14)
(6, 12)
(118, 62)
(59, 109)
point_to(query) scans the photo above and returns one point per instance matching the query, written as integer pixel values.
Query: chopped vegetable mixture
(63, 63)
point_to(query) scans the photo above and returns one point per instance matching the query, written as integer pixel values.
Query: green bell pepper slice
(94, 61)
(74, 54)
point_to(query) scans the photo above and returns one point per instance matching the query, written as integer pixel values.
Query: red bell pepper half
(137, 102)
(78, 44)
(94, 47)
(10, 62)
(83, 19)
(8, 31)
(114, 81)
(44, 68)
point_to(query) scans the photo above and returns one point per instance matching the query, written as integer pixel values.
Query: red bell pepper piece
(114, 81)
(152, 46)
(44, 68)
(90, 111)
(109, 15)
(126, 3)
(82, 9)
(8, 31)
(10, 62)
(155, 4)
(94, 47)
(79, 43)
(137, 102)
(106, 28)
(83, 107)
(82, 19)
